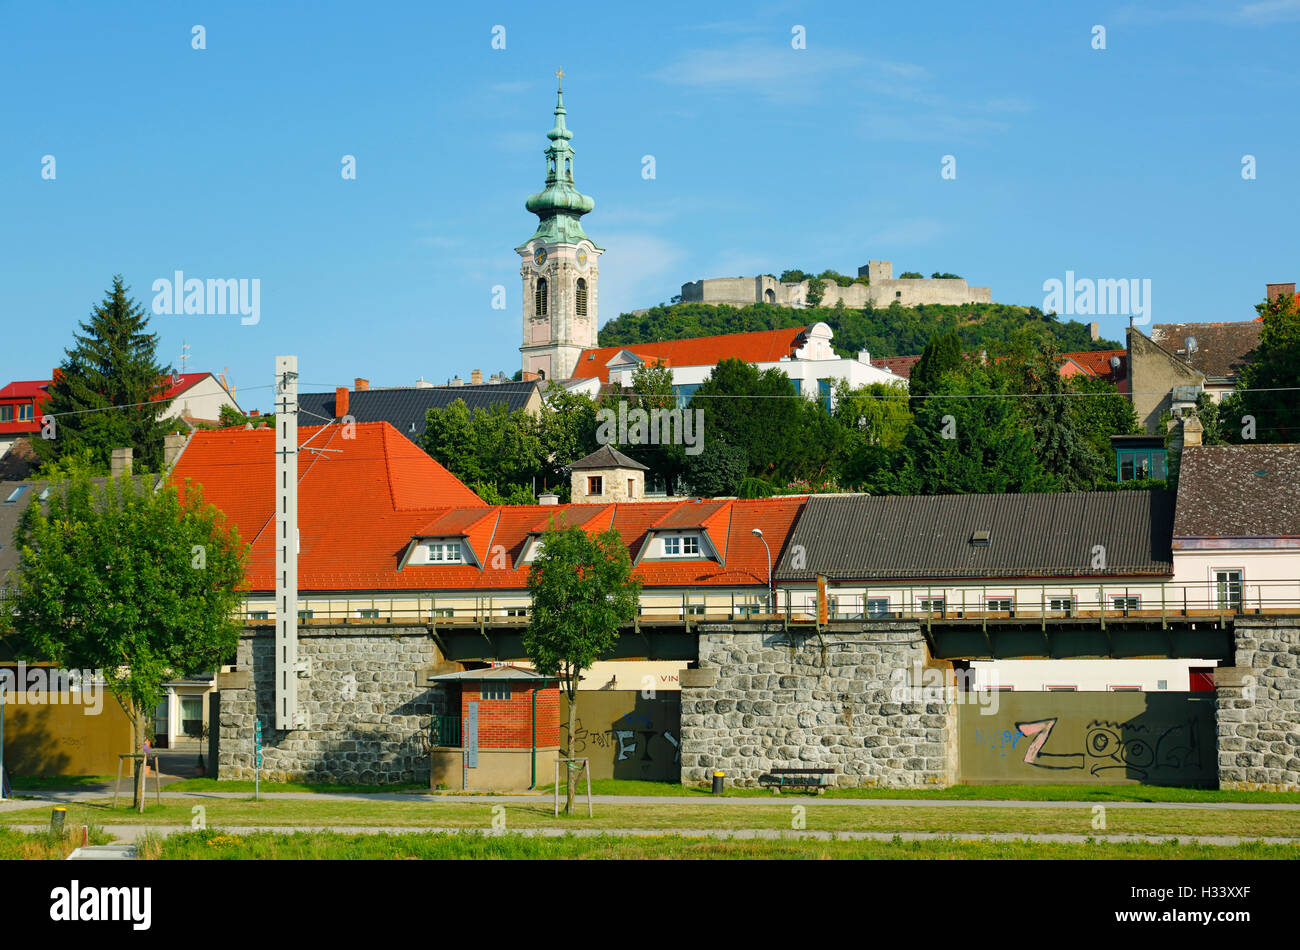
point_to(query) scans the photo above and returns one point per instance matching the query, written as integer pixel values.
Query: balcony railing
(1013, 602)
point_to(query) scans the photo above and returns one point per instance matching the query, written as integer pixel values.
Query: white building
(804, 354)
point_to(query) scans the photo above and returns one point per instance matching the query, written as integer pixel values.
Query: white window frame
(682, 545)
(437, 552)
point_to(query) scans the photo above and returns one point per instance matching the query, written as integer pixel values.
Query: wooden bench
(777, 779)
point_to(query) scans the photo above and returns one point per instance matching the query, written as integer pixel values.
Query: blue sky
(225, 162)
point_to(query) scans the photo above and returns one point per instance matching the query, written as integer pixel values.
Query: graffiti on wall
(622, 740)
(625, 734)
(1161, 740)
(1138, 748)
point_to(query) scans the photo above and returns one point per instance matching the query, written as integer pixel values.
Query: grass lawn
(1031, 793)
(266, 846)
(212, 785)
(450, 813)
(41, 845)
(40, 782)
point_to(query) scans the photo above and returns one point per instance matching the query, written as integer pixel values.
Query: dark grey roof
(866, 537)
(10, 512)
(607, 457)
(496, 673)
(1239, 491)
(405, 409)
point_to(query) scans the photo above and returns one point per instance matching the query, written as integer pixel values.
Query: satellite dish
(1114, 363)
(1190, 343)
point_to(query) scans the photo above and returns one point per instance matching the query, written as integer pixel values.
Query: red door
(1200, 679)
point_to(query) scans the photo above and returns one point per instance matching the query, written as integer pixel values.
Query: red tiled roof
(179, 382)
(760, 346)
(359, 510)
(898, 365)
(27, 389)
(1097, 362)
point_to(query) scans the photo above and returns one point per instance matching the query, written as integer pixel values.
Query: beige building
(606, 475)
(1180, 360)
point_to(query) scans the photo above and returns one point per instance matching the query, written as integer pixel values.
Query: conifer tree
(105, 394)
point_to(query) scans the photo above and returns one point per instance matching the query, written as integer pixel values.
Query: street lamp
(771, 595)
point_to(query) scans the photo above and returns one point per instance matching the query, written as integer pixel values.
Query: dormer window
(444, 552)
(684, 545)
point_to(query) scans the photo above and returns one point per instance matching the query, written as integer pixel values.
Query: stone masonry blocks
(369, 718)
(796, 699)
(1258, 707)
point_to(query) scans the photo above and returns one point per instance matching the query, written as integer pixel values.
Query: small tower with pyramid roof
(559, 264)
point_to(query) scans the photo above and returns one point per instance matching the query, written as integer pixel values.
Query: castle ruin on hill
(882, 290)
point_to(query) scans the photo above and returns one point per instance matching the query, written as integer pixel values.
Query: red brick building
(506, 733)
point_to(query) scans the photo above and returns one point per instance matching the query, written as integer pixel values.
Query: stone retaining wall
(769, 699)
(368, 711)
(1258, 715)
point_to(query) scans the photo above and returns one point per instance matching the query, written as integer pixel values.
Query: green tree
(138, 583)
(755, 411)
(582, 591)
(875, 420)
(816, 291)
(107, 393)
(491, 446)
(566, 431)
(652, 390)
(718, 470)
(1266, 388)
(1045, 404)
(942, 355)
(229, 417)
(969, 438)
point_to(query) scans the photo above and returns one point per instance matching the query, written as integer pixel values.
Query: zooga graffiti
(1139, 749)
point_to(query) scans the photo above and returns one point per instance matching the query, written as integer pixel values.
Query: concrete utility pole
(286, 542)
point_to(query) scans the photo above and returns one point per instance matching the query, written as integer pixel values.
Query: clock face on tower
(539, 256)
(582, 258)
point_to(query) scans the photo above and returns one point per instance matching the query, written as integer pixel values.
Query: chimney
(548, 498)
(1274, 291)
(530, 376)
(1192, 430)
(173, 445)
(360, 385)
(340, 402)
(456, 381)
(1094, 331)
(120, 464)
(476, 377)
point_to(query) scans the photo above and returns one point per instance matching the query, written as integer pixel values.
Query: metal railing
(1013, 602)
(444, 731)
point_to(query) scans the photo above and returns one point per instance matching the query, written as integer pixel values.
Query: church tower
(559, 265)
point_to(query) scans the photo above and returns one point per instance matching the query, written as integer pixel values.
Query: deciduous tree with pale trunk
(132, 579)
(583, 591)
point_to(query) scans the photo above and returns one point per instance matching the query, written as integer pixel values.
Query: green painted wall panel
(1090, 738)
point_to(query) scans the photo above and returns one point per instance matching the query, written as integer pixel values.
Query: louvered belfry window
(539, 298)
(582, 297)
